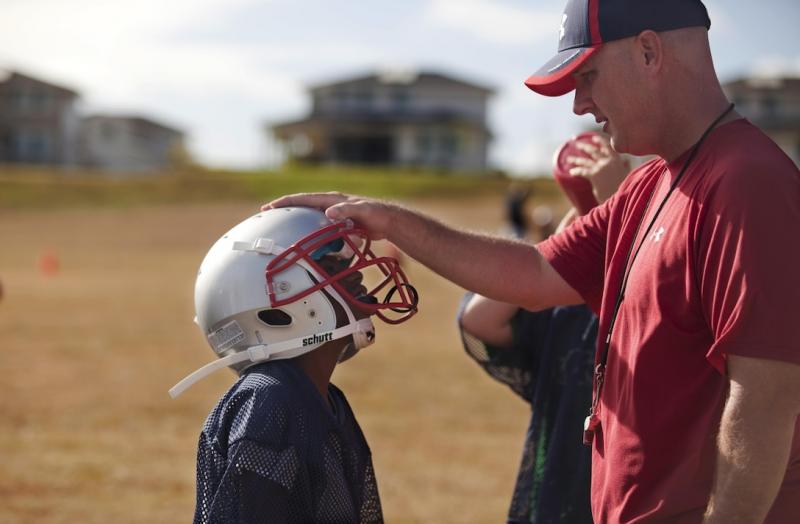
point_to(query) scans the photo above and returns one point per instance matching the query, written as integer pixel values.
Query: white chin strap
(362, 330)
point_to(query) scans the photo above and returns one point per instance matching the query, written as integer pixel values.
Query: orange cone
(48, 264)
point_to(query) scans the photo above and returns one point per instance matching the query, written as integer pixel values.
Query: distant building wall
(38, 121)
(133, 144)
(40, 124)
(772, 104)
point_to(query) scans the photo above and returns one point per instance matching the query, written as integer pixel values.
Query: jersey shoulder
(261, 406)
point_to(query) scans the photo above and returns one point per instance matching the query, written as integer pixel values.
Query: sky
(222, 70)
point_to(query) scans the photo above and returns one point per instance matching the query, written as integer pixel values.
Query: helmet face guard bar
(398, 295)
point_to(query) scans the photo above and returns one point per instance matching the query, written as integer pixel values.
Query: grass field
(88, 433)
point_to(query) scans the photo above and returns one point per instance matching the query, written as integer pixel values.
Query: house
(772, 104)
(39, 122)
(128, 143)
(421, 119)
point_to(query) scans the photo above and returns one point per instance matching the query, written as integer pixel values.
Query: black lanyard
(591, 423)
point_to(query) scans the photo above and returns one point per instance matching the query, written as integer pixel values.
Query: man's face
(607, 87)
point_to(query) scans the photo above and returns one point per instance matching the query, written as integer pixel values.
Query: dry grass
(88, 433)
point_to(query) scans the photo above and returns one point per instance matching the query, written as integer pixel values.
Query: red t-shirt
(718, 274)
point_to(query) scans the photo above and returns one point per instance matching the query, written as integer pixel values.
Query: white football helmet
(262, 294)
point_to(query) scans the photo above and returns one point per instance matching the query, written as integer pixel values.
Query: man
(692, 265)
(281, 301)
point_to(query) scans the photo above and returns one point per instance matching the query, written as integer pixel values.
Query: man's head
(587, 25)
(288, 281)
(631, 63)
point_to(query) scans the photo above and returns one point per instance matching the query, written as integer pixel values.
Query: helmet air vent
(274, 317)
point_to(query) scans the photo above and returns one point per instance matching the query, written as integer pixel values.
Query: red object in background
(48, 264)
(577, 188)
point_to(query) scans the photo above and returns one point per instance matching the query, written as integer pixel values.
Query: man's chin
(619, 145)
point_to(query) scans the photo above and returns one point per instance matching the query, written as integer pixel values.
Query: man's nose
(582, 103)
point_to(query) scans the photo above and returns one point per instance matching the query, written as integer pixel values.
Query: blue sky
(221, 69)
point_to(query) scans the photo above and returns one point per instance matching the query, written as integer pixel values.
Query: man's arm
(755, 439)
(502, 269)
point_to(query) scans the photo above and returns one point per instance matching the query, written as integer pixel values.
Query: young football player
(281, 301)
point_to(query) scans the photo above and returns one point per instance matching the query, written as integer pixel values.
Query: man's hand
(502, 269)
(375, 215)
(604, 167)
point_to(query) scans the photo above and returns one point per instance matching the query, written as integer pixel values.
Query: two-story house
(128, 143)
(39, 122)
(773, 104)
(422, 119)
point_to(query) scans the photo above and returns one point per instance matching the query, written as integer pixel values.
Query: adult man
(692, 266)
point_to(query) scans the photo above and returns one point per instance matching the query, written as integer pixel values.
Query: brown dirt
(88, 433)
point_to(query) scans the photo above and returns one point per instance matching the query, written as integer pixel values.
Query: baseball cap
(588, 24)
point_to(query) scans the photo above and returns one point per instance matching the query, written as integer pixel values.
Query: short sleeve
(578, 253)
(518, 365)
(748, 264)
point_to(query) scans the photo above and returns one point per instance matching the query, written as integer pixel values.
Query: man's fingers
(580, 171)
(580, 161)
(602, 141)
(603, 145)
(587, 148)
(321, 201)
(371, 214)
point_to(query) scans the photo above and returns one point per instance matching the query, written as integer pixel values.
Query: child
(547, 358)
(281, 301)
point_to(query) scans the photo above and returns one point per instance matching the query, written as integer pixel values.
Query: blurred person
(691, 265)
(517, 197)
(281, 301)
(546, 358)
(543, 221)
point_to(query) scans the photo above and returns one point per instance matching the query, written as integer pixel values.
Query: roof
(764, 83)
(403, 77)
(8, 75)
(136, 120)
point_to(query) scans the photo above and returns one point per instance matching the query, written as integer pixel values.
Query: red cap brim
(555, 77)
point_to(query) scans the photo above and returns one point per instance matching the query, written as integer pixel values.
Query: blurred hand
(375, 215)
(604, 167)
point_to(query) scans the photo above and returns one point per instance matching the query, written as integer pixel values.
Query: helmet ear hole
(274, 317)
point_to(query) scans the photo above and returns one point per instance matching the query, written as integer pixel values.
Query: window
(770, 105)
(401, 99)
(107, 131)
(449, 142)
(34, 145)
(424, 143)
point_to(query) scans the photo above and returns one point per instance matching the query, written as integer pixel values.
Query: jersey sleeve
(748, 264)
(515, 366)
(578, 253)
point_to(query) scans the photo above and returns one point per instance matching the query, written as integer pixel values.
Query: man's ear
(649, 50)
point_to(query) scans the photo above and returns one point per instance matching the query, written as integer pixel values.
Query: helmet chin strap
(361, 339)
(362, 331)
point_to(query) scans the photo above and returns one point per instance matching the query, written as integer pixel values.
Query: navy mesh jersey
(273, 451)
(550, 366)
